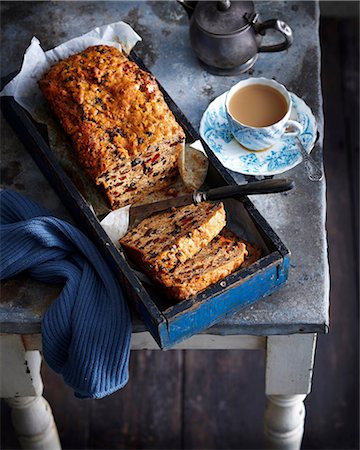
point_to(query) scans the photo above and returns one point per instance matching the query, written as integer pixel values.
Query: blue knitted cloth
(86, 331)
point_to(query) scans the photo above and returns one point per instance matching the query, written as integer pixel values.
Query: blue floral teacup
(261, 138)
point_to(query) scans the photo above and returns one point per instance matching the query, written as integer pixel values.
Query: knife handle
(270, 186)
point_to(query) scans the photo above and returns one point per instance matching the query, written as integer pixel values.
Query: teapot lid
(223, 17)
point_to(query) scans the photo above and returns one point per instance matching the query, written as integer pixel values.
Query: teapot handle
(278, 25)
(189, 6)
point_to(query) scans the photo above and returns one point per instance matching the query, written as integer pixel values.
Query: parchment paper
(24, 87)
(25, 90)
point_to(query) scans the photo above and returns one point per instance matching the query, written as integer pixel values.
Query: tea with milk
(257, 105)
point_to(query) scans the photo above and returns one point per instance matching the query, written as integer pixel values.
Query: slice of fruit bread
(221, 257)
(163, 240)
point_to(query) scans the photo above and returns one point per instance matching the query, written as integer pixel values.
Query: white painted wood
(144, 341)
(289, 364)
(20, 370)
(21, 386)
(34, 423)
(284, 421)
(289, 368)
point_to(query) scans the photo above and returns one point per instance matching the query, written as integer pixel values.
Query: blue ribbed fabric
(86, 331)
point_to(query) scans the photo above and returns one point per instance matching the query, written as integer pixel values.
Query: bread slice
(163, 240)
(123, 133)
(222, 256)
(253, 251)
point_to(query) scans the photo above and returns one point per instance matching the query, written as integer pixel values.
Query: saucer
(282, 156)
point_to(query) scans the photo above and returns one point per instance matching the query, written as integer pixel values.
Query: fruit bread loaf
(163, 240)
(222, 256)
(124, 134)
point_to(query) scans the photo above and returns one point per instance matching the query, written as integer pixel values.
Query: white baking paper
(116, 224)
(24, 87)
(25, 90)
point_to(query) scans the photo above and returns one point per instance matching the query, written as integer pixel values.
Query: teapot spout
(189, 6)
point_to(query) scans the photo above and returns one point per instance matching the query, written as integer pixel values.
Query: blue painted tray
(169, 323)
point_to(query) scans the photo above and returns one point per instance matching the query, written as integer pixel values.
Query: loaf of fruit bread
(221, 257)
(123, 132)
(162, 241)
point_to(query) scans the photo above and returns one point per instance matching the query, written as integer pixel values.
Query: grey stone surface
(298, 217)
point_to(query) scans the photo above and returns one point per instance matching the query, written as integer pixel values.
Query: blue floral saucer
(284, 155)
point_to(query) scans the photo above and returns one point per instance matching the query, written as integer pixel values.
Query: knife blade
(270, 186)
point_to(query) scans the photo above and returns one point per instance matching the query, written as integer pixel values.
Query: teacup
(258, 111)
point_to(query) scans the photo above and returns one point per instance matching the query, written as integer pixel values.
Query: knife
(270, 186)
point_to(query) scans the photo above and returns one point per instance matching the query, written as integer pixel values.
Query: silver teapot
(226, 35)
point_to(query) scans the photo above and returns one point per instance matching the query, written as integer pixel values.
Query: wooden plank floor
(215, 399)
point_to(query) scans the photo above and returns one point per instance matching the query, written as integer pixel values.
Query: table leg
(21, 387)
(34, 423)
(289, 367)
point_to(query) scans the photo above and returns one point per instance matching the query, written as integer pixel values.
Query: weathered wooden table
(286, 324)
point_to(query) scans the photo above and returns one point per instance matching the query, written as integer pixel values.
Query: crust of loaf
(163, 240)
(117, 120)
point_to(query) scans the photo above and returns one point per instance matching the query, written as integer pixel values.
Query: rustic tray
(167, 321)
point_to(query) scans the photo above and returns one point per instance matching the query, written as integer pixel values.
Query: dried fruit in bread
(163, 240)
(221, 257)
(124, 134)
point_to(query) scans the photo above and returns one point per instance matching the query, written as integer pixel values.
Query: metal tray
(168, 322)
